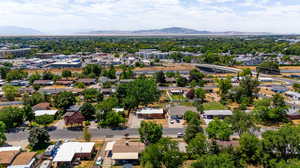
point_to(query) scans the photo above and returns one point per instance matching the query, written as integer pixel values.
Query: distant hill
(14, 30)
(173, 30)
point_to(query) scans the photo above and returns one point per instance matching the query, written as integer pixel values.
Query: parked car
(172, 121)
(99, 161)
(180, 135)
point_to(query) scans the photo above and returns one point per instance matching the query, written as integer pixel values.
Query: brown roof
(6, 157)
(24, 158)
(41, 106)
(122, 147)
(87, 80)
(64, 82)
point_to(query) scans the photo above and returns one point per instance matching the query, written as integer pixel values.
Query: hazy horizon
(70, 16)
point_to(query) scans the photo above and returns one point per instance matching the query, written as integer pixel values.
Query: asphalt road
(96, 133)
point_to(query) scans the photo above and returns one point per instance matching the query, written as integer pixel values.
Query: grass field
(214, 106)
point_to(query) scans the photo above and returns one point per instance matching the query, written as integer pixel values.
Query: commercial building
(22, 52)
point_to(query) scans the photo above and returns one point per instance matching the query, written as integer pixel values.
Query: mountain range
(14, 30)
(173, 30)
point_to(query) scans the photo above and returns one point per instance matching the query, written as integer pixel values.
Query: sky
(59, 16)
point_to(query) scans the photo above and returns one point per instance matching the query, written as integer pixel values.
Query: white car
(99, 161)
(180, 135)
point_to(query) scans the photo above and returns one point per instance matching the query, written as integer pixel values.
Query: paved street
(96, 133)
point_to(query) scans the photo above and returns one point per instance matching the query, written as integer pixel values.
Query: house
(7, 157)
(24, 160)
(43, 82)
(126, 152)
(87, 81)
(45, 112)
(151, 113)
(176, 91)
(209, 115)
(64, 82)
(28, 90)
(279, 89)
(73, 118)
(293, 95)
(69, 151)
(177, 112)
(41, 106)
(74, 108)
(19, 83)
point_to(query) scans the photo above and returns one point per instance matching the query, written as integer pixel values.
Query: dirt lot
(56, 71)
(282, 67)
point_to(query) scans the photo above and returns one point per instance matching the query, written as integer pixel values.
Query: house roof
(180, 110)
(128, 147)
(10, 148)
(45, 112)
(87, 80)
(67, 150)
(43, 82)
(24, 158)
(150, 111)
(6, 157)
(41, 106)
(295, 94)
(125, 156)
(217, 112)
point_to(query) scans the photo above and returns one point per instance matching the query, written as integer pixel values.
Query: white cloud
(214, 15)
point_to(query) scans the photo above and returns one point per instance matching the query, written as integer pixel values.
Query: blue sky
(278, 16)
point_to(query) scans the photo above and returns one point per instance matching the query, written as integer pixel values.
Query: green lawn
(214, 106)
(178, 98)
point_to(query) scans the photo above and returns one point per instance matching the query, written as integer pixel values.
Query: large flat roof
(67, 150)
(45, 112)
(150, 111)
(217, 112)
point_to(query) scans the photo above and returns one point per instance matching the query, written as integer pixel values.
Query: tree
(34, 77)
(88, 111)
(272, 110)
(139, 92)
(292, 163)
(242, 122)
(224, 86)
(66, 73)
(38, 138)
(181, 81)
(219, 129)
(222, 160)
(16, 74)
(86, 134)
(10, 92)
(34, 99)
(28, 113)
(198, 146)
(192, 130)
(44, 119)
(249, 148)
(196, 76)
(190, 115)
(92, 70)
(165, 153)
(160, 77)
(2, 133)
(112, 119)
(111, 73)
(11, 116)
(92, 95)
(150, 132)
(3, 72)
(107, 105)
(200, 94)
(64, 100)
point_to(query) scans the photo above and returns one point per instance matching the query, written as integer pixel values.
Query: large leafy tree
(64, 100)
(66, 73)
(12, 116)
(88, 111)
(92, 70)
(224, 86)
(219, 129)
(2, 133)
(272, 110)
(198, 146)
(112, 119)
(139, 92)
(34, 99)
(196, 76)
(192, 130)
(250, 148)
(38, 138)
(150, 132)
(44, 119)
(160, 77)
(10, 92)
(165, 153)
(242, 122)
(222, 160)
(92, 95)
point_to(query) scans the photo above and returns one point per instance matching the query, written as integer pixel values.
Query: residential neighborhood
(147, 106)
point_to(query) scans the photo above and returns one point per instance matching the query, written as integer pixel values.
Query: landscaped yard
(178, 98)
(214, 106)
